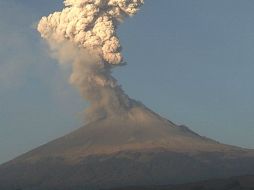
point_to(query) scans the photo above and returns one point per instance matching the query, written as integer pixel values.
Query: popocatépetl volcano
(137, 147)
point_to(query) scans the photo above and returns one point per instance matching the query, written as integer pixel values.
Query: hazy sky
(190, 61)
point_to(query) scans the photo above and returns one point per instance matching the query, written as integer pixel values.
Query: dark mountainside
(234, 183)
(134, 148)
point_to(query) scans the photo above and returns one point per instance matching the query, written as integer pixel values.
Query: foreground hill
(134, 148)
(234, 183)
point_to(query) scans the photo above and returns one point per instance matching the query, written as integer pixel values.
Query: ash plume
(84, 34)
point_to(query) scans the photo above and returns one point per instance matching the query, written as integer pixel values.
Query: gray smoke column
(84, 34)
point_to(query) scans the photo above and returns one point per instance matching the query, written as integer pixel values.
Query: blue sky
(190, 61)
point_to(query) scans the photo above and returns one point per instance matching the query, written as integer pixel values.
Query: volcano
(125, 143)
(137, 147)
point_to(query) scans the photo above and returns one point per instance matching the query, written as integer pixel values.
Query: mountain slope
(138, 129)
(234, 183)
(133, 148)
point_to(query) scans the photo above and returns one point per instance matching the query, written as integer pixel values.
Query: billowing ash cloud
(84, 34)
